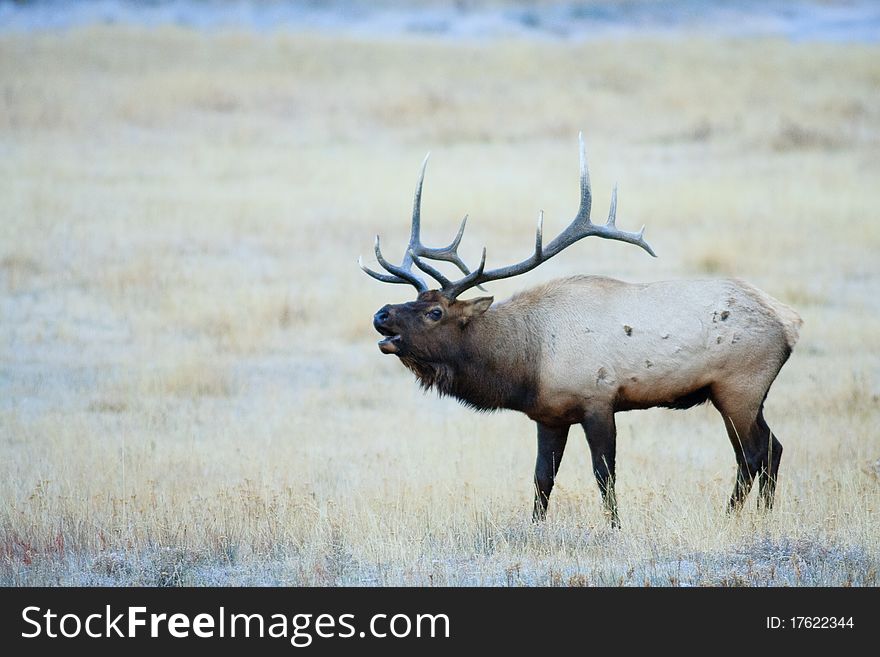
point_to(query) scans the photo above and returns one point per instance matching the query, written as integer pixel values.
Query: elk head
(428, 328)
(425, 328)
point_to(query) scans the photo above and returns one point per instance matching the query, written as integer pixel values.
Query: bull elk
(578, 350)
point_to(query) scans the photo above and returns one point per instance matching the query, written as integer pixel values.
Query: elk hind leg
(770, 467)
(741, 421)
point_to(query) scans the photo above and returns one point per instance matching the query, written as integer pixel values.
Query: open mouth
(390, 343)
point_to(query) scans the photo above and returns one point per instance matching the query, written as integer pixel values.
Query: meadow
(190, 390)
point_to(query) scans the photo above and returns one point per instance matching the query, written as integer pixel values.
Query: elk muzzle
(381, 322)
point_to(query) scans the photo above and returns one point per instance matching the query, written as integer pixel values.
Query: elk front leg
(601, 433)
(551, 446)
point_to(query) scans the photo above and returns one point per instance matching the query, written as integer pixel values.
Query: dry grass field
(190, 391)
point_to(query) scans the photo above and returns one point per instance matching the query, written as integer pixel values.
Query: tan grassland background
(190, 391)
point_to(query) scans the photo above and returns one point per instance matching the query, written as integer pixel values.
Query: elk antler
(579, 228)
(403, 273)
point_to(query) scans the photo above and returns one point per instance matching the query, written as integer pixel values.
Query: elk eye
(434, 314)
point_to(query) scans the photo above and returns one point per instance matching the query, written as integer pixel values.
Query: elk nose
(381, 317)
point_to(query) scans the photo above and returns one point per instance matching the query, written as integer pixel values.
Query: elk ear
(474, 307)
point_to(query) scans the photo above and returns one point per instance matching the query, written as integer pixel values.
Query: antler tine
(624, 236)
(416, 227)
(449, 253)
(539, 235)
(471, 280)
(612, 211)
(385, 278)
(586, 205)
(429, 270)
(415, 250)
(401, 274)
(453, 246)
(611, 232)
(579, 228)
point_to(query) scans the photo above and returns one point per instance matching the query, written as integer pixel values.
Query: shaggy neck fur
(494, 365)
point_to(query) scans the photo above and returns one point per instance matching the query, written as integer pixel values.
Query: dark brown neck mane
(493, 367)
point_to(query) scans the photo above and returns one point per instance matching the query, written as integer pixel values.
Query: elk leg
(770, 467)
(602, 437)
(750, 449)
(746, 464)
(551, 446)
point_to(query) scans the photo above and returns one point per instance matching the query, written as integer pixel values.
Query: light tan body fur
(618, 345)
